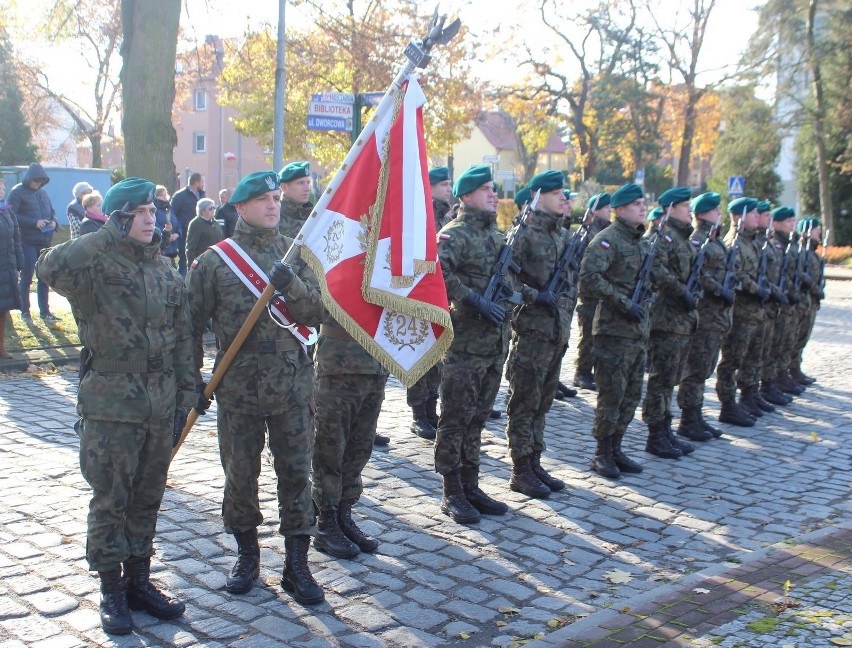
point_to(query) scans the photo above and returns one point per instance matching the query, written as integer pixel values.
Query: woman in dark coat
(11, 263)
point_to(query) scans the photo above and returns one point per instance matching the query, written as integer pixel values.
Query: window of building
(199, 142)
(200, 100)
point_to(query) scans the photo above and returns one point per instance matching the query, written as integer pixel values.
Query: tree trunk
(147, 77)
(819, 127)
(95, 141)
(685, 160)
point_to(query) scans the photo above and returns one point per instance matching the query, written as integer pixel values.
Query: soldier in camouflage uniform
(422, 396)
(468, 248)
(136, 388)
(295, 182)
(608, 277)
(714, 321)
(541, 327)
(740, 361)
(809, 301)
(583, 377)
(674, 319)
(266, 390)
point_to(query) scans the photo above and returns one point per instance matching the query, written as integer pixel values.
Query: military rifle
(806, 279)
(822, 265)
(497, 291)
(564, 275)
(730, 281)
(762, 279)
(800, 273)
(693, 281)
(785, 264)
(642, 292)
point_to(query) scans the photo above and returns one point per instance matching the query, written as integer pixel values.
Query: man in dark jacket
(37, 220)
(226, 214)
(183, 207)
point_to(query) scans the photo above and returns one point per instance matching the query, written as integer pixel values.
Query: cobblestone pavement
(590, 551)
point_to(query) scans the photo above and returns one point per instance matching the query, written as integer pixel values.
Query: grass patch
(28, 336)
(764, 625)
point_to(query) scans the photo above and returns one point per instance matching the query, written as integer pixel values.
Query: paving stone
(52, 603)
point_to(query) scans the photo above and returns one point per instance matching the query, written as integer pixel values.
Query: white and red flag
(371, 241)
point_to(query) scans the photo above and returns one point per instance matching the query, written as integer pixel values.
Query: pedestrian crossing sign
(736, 186)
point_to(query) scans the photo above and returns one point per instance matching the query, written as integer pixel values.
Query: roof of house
(498, 131)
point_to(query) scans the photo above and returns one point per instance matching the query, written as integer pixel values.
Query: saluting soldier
(268, 387)
(714, 320)
(295, 183)
(621, 327)
(136, 387)
(541, 327)
(468, 248)
(809, 301)
(674, 319)
(584, 365)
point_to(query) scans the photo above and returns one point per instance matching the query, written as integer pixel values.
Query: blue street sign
(329, 123)
(370, 98)
(736, 186)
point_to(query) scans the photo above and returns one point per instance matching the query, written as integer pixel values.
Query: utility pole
(280, 78)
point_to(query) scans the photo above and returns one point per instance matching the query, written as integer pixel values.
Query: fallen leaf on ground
(618, 576)
(701, 590)
(815, 437)
(505, 609)
(464, 635)
(501, 624)
(841, 641)
(553, 623)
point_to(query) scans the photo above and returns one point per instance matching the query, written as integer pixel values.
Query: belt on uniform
(336, 332)
(147, 365)
(269, 346)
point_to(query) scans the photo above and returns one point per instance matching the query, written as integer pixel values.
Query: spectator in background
(11, 263)
(226, 213)
(95, 217)
(204, 230)
(167, 224)
(37, 221)
(183, 207)
(75, 211)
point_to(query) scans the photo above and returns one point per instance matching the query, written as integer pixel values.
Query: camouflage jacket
(537, 249)
(608, 276)
(264, 368)
(674, 256)
(714, 313)
(293, 216)
(443, 213)
(748, 259)
(468, 248)
(595, 227)
(814, 265)
(337, 354)
(782, 247)
(131, 311)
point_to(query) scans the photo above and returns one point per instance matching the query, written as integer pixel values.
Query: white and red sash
(256, 281)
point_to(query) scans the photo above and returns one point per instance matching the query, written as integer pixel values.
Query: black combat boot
(748, 403)
(455, 503)
(585, 380)
(469, 476)
(733, 414)
(381, 440)
(690, 425)
(330, 538)
(762, 403)
(625, 464)
(716, 432)
(563, 391)
(350, 529)
(797, 375)
(788, 385)
(114, 611)
(421, 425)
(771, 394)
(297, 578)
(432, 411)
(603, 462)
(524, 480)
(142, 594)
(247, 568)
(545, 477)
(659, 443)
(495, 414)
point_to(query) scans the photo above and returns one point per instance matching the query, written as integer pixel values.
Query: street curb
(57, 356)
(559, 637)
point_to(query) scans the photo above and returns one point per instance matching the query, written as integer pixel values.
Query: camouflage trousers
(668, 353)
(585, 317)
(775, 333)
(426, 388)
(348, 408)
(803, 330)
(291, 442)
(740, 363)
(126, 465)
(533, 370)
(469, 385)
(619, 372)
(700, 364)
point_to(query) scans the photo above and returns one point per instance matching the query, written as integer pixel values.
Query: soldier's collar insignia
(696, 243)
(778, 246)
(605, 245)
(445, 237)
(668, 238)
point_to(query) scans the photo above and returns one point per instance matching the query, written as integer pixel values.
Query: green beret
(523, 197)
(438, 174)
(601, 200)
(626, 194)
(294, 171)
(128, 194)
(254, 184)
(674, 196)
(763, 206)
(745, 203)
(655, 213)
(808, 222)
(705, 202)
(472, 179)
(782, 213)
(547, 181)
